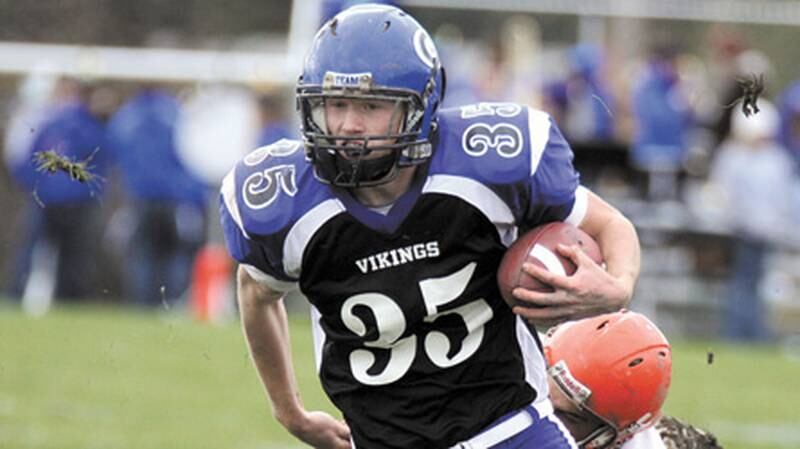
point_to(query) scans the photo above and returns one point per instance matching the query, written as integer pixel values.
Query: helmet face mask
(605, 433)
(369, 54)
(347, 160)
(606, 436)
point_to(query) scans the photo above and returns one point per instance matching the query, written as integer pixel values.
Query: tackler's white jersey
(648, 439)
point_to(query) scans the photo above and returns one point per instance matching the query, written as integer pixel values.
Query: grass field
(105, 378)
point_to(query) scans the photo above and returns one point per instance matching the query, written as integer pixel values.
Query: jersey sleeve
(554, 184)
(260, 255)
(518, 153)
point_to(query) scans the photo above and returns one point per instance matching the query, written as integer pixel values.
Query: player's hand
(321, 431)
(589, 291)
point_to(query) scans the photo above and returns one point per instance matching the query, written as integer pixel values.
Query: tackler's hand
(589, 291)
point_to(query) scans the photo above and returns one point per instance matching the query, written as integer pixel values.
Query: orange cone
(211, 283)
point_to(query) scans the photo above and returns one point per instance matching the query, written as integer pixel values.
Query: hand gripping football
(538, 246)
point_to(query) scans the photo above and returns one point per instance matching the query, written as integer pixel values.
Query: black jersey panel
(420, 350)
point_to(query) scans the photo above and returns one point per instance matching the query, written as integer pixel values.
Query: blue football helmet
(375, 53)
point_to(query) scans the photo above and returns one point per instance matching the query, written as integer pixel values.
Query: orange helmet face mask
(615, 366)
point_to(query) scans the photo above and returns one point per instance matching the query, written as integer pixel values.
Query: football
(538, 246)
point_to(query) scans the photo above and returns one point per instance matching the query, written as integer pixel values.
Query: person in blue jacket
(582, 99)
(62, 211)
(166, 201)
(664, 119)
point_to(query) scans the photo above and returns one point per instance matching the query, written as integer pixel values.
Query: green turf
(89, 378)
(749, 395)
(109, 378)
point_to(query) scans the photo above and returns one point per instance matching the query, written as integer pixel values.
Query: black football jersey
(414, 343)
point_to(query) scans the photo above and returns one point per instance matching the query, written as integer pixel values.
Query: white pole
(304, 21)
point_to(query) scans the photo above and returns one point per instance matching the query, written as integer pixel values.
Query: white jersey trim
(228, 190)
(498, 433)
(535, 367)
(539, 135)
(271, 282)
(579, 207)
(481, 197)
(302, 231)
(319, 336)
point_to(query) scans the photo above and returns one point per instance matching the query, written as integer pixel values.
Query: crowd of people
(160, 220)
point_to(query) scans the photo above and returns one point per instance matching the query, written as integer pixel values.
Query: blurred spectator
(754, 176)
(62, 212)
(724, 43)
(492, 77)
(34, 102)
(218, 124)
(790, 121)
(274, 126)
(581, 102)
(746, 65)
(167, 204)
(454, 51)
(663, 123)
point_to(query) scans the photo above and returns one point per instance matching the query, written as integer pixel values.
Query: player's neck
(381, 195)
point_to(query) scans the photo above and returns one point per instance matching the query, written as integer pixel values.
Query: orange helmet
(616, 366)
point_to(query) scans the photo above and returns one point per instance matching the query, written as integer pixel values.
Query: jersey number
(504, 138)
(261, 188)
(391, 324)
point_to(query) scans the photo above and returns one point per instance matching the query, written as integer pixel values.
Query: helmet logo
(504, 138)
(576, 390)
(336, 80)
(423, 46)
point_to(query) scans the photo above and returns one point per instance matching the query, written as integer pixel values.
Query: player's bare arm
(592, 289)
(266, 329)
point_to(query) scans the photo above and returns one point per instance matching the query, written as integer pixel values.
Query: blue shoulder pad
(274, 185)
(495, 143)
(515, 150)
(262, 198)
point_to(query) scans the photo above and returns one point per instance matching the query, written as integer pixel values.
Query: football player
(391, 217)
(609, 377)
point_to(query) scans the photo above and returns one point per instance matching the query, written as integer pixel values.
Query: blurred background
(155, 101)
